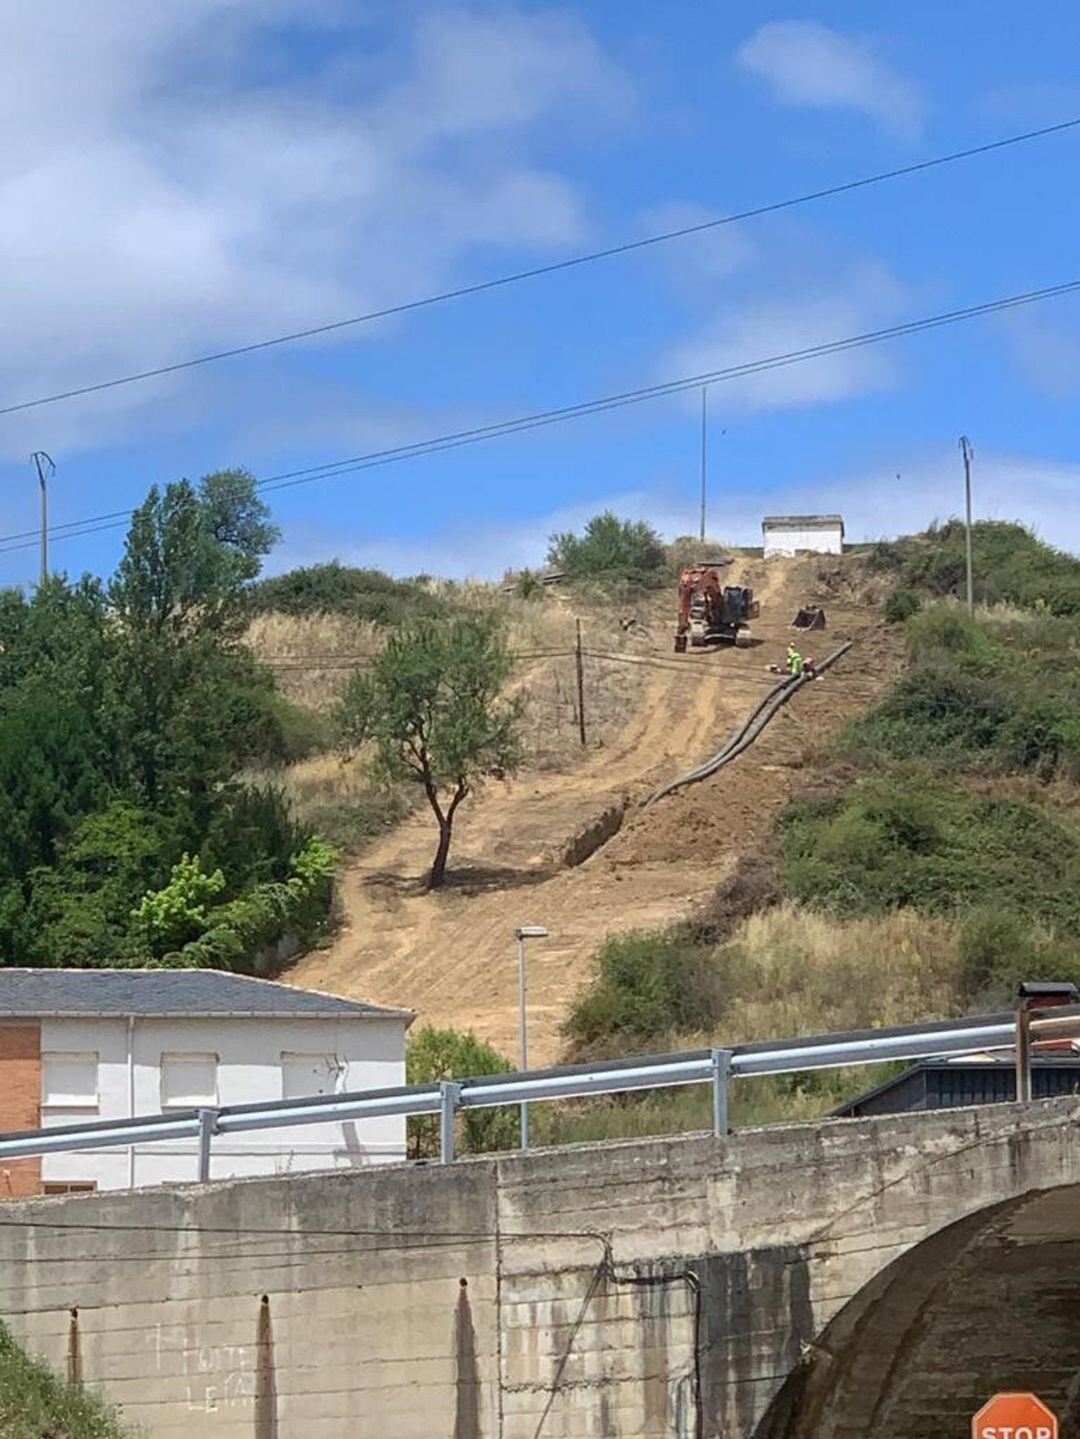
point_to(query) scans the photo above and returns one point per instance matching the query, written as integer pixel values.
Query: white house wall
(789, 542)
(249, 1070)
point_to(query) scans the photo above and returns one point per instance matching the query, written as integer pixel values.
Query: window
(69, 1186)
(188, 1080)
(69, 1081)
(308, 1074)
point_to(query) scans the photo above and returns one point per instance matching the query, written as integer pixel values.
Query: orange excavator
(710, 612)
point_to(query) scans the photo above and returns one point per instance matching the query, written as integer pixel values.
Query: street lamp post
(524, 932)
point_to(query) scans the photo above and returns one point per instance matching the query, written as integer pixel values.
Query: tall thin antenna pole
(704, 443)
(967, 452)
(41, 462)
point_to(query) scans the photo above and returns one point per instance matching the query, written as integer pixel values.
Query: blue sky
(200, 174)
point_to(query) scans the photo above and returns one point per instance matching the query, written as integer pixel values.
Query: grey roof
(170, 994)
(804, 522)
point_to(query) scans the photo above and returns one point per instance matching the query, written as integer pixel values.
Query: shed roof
(1063, 1063)
(802, 522)
(170, 994)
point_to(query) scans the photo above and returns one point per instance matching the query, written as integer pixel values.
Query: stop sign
(1014, 1416)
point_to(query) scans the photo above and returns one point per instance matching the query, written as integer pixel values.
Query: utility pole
(967, 452)
(704, 441)
(42, 462)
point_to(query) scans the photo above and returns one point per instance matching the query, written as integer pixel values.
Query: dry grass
(799, 971)
(293, 645)
(336, 797)
(541, 629)
(783, 1099)
(792, 972)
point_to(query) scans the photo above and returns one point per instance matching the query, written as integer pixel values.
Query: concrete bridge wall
(617, 1291)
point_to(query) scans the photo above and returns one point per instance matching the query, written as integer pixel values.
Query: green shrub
(904, 838)
(1042, 735)
(999, 695)
(35, 1404)
(434, 1055)
(1009, 564)
(528, 584)
(609, 548)
(648, 984)
(297, 732)
(169, 917)
(884, 556)
(236, 933)
(998, 948)
(334, 588)
(902, 603)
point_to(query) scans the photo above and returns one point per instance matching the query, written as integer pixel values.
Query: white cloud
(806, 63)
(765, 326)
(160, 196)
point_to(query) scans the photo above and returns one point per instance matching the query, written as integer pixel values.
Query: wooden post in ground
(580, 685)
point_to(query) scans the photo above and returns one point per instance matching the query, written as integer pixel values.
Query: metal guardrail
(716, 1067)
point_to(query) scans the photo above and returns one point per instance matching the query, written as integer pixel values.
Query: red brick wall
(20, 1103)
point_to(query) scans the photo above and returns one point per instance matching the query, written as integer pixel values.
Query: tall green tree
(188, 700)
(433, 707)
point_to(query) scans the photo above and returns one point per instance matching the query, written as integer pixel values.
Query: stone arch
(990, 1302)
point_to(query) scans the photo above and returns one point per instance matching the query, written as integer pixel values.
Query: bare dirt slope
(450, 955)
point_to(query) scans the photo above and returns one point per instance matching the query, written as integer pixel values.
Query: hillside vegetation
(932, 863)
(34, 1404)
(128, 713)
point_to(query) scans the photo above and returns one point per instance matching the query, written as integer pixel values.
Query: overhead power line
(331, 470)
(535, 272)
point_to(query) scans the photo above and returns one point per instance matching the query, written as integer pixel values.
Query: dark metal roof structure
(169, 994)
(956, 1084)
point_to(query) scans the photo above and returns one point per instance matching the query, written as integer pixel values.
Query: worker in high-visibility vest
(794, 662)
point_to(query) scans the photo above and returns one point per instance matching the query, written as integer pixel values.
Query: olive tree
(433, 707)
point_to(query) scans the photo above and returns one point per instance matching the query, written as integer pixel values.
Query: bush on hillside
(236, 936)
(902, 603)
(609, 549)
(434, 1055)
(1009, 563)
(975, 697)
(297, 732)
(35, 1404)
(648, 983)
(905, 838)
(999, 948)
(335, 588)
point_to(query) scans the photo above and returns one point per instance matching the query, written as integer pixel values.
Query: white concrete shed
(795, 534)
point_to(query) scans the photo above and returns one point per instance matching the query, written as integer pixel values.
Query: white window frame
(299, 1056)
(71, 1100)
(188, 1101)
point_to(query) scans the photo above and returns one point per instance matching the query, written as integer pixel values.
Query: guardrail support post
(721, 1073)
(1023, 1052)
(448, 1101)
(207, 1129)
